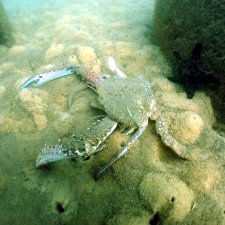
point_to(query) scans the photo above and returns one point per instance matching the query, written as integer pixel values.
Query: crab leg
(122, 152)
(43, 78)
(72, 146)
(113, 67)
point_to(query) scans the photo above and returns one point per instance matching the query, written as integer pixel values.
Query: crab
(127, 101)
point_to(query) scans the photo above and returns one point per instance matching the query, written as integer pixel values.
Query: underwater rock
(63, 123)
(55, 50)
(187, 127)
(189, 75)
(6, 37)
(166, 195)
(206, 211)
(130, 218)
(17, 50)
(204, 176)
(34, 101)
(63, 205)
(173, 21)
(72, 59)
(123, 49)
(2, 90)
(86, 55)
(82, 36)
(107, 47)
(97, 66)
(40, 121)
(178, 102)
(9, 123)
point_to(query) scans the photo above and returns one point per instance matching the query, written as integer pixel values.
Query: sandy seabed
(152, 184)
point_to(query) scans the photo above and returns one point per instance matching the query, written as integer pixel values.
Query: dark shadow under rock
(180, 25)
(189, 75)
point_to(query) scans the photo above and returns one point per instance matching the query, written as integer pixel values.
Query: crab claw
(45, 158)
(43, 78)
(113, 67)
(30, 81)
(54, 153)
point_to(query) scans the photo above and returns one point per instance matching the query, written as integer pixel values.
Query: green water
(53, 34)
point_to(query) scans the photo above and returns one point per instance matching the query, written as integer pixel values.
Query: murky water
(53, 34)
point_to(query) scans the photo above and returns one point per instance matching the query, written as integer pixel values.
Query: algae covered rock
(6, 37)
(187, 127)
(205, 211)
(166, 195)
(133, 217)
(86, 55)
(180, 26)
(35, 102)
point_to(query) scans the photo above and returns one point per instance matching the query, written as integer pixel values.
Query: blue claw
(29, 81)
(43, 78)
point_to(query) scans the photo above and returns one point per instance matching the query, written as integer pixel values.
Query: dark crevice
(172, 199)
(87, 158)
(155, 220)
(188, 72)
(59, 207)
(122, 145)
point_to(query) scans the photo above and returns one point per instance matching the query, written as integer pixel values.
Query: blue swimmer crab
(128, 101)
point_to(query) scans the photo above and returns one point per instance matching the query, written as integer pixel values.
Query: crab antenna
(122, 152)
(113, 67)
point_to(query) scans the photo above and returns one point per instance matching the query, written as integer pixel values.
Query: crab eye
(104, 76)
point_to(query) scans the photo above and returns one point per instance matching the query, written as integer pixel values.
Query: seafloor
(152, 184)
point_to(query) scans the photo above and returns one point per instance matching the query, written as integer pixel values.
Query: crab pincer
(45, 77)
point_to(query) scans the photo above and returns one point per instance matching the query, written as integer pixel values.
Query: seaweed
(189, 75)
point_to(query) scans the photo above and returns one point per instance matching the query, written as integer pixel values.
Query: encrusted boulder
(166, 195)
(180, 26)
